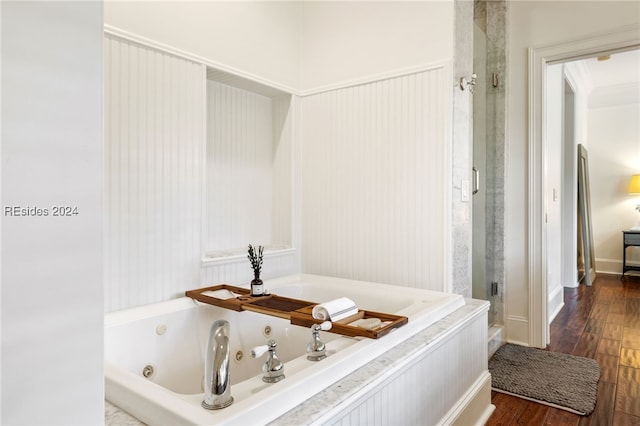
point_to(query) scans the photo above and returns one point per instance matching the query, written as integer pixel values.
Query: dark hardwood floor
(600, 322)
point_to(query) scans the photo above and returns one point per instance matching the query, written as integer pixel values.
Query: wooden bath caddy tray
(295, 310)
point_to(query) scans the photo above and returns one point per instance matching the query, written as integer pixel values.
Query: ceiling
(621, 68)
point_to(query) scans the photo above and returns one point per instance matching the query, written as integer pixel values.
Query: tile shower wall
(462, 231)
(493, 19)
(374, 180)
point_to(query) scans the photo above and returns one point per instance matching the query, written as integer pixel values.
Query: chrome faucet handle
(273, 368)
(316, 349)
(258, 351)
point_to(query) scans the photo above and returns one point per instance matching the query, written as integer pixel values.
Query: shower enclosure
(488, 157)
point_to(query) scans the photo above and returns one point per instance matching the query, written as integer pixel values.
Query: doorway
(537, 262)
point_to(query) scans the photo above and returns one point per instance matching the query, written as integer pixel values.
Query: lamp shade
(634, 185)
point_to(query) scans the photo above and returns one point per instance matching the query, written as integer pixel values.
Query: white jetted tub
(154, 364)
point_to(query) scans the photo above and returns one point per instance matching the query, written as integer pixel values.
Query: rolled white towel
(335, 310)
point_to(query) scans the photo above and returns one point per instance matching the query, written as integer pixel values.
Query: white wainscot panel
(154, 159)
(430, 389)
(374, 173)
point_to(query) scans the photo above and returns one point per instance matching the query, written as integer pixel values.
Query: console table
(630, 238)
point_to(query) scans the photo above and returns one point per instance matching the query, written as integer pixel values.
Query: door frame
(621, 39)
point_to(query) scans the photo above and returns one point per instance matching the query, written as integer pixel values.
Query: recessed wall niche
(248, 172)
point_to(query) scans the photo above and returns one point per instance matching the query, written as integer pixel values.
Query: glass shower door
(483, 162)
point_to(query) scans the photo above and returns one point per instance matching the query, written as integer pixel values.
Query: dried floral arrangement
(255, 257)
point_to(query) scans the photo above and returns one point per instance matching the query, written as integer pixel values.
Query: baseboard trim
(475, 407)
(517, 330)
(496, 338)
(611, 266)
(556, 302)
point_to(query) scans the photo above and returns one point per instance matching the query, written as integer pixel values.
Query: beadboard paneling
(283, 165)
(374, 164)
(156, 190)
(425, 391)
(249, 169)
(239, 272)
(239, 168)
(154, 150)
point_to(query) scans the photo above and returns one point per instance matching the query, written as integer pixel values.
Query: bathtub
(154, 354)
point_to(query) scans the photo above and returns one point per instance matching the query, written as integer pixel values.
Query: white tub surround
(416, 382)
(114, 416)
(436, 321)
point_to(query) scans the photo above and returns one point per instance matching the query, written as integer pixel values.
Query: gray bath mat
(560, 380)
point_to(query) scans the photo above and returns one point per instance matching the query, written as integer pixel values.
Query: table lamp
(634, 189)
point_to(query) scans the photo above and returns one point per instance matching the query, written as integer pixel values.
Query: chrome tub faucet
(217, 387)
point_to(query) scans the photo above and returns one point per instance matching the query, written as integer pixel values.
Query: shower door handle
(476, 180)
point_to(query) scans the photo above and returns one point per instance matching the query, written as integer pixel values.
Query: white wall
(553, 191)
(254, 38)
(575, 132)
(296, 45)
(52, 266)
(345, 42)
(614, 155)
